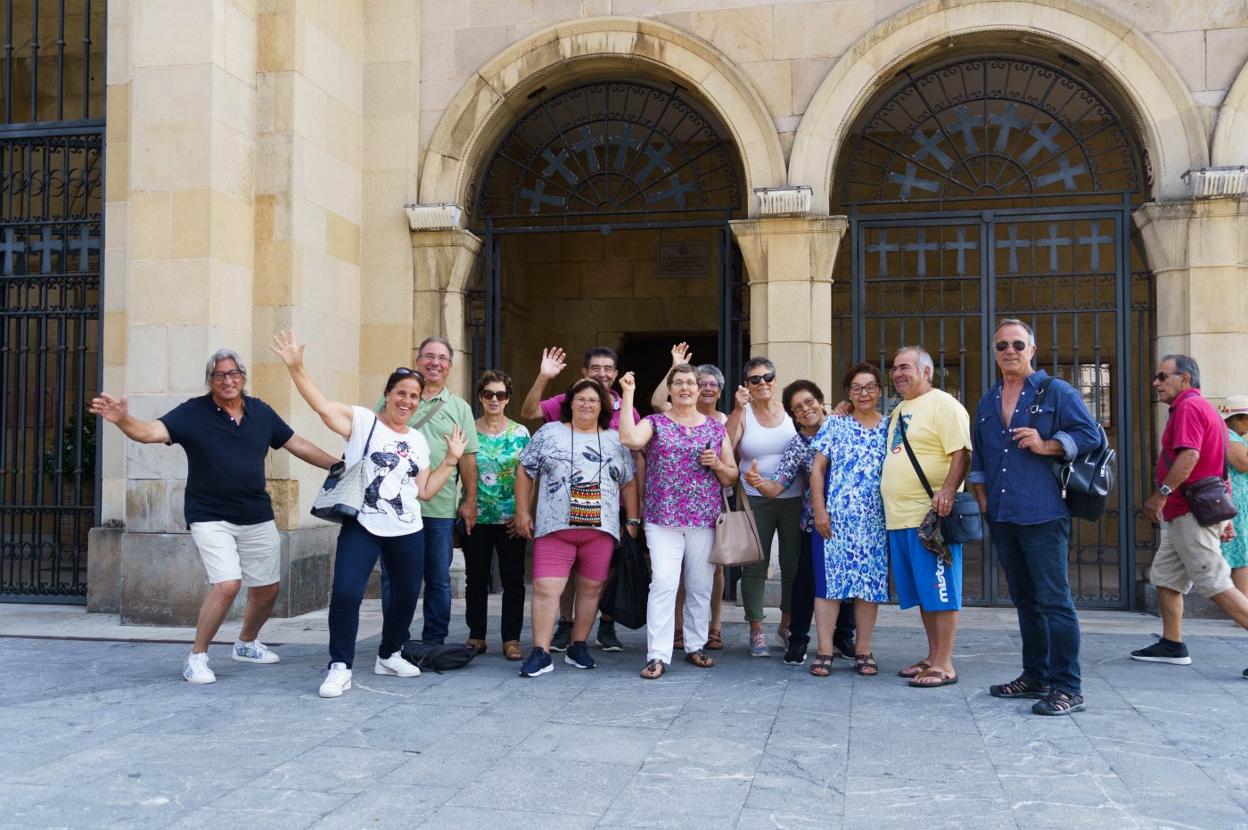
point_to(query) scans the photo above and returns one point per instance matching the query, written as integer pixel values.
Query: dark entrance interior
(650, 356)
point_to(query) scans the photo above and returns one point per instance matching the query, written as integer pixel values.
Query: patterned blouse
(680, 492)
(795, 461)
(497, 459)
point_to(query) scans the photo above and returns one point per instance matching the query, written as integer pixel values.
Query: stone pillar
(444, 264)
(1198, 252)
(789, 261)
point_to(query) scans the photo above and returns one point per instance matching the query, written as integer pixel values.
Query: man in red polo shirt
(1193, 446)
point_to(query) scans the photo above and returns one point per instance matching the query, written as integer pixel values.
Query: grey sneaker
(758, 644)
(562, 636)
(1059, 703)
(607, 641)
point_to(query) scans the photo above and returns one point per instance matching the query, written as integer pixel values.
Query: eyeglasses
(1160, 377)
(802, 406)
(708, 384)
(683, 383)
(430, 357)
(1018, 345)
(492, 395)
(869, 389)
(233, 374)
(755, 380)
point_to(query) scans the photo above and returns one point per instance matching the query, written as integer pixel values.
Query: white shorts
(252, 553)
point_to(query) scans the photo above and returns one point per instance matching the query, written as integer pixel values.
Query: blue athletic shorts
(919, 577)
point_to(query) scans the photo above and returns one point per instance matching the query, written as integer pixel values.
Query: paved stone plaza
(105, 734)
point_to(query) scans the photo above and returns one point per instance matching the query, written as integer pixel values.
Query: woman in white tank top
(760, 430)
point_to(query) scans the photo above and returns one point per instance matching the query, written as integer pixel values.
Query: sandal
(678, 642)
(478, 646)
(942, 679)
(865, 664)
(822, 666)
(914, 669)
(700, 659)
(714, 642)
(654, 670)
(511, 650)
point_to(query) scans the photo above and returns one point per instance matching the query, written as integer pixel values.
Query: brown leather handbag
(736, 533)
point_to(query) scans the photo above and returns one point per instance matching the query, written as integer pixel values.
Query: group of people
(849, 492)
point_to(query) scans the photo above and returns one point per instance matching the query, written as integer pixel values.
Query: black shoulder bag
(1209, 498)
(1088, 479)
(964, 523)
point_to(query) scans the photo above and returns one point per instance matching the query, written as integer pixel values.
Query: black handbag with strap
(1087, 480)
(964, 522)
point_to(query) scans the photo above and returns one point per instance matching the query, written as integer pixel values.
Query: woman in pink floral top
(688, 459)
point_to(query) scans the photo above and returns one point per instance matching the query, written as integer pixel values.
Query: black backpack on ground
(437, 657)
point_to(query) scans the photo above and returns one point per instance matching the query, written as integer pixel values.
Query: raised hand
(455, 445)
(109, 408)
(752, 476)
(286, 348)
(553, 362)
(628, 383)
(742, 397)
(681, 354)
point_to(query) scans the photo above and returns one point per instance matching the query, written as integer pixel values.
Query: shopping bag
(626, 592)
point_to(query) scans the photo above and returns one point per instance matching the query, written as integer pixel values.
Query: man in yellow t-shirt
(939, 432)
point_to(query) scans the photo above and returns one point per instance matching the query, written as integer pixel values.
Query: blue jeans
(1033, 558)
(437, 606)
(354, 558)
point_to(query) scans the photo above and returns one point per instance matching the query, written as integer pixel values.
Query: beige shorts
(1190, 556)
(252, 553)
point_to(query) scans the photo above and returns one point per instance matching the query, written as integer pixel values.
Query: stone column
(1198, 252)
(444, 263)
(789, 261)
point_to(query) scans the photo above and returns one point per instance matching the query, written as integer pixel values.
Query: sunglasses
(1018, 345)
(404, 371)
(755, 380)
(1160, 377)
(491, 395)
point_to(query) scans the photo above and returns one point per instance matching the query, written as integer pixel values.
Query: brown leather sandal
(822, 665)
(700, 659)
(512, 651)
(714, 642)
(654, 670)
(915, 669)
(865, 665)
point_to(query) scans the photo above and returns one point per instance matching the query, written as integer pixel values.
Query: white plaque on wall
(683, 260)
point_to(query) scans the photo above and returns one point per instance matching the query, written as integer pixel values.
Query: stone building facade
(370, 172)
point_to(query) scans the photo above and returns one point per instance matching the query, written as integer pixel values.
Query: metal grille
(622, 149)
(51, 230)
(998, 187)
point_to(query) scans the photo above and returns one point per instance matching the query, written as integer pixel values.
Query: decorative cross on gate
(883, 248)
(921, 247)
(11, 247)
(84, 243)
(45, 246)
(1053, 242)
(1095, 240)
(1013, 243)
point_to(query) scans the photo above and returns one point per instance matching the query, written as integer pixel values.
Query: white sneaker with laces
(337, 681)
(253, 652)
(196, 669)
(395, 666)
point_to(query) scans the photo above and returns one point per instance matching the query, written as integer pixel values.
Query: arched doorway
(604, 214)
(985, 186)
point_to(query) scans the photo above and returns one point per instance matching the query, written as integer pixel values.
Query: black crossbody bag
(1088, 479)
(964, 523)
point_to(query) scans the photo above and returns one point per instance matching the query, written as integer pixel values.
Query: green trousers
(772, 515)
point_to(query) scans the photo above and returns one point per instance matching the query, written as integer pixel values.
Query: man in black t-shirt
(226, 435)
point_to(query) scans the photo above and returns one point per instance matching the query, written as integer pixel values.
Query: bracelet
(633, 522)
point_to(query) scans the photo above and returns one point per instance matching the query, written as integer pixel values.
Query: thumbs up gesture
(752, 475)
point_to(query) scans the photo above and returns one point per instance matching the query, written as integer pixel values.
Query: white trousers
(670, 549)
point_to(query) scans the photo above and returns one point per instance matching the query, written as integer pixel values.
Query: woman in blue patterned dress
(849, 455)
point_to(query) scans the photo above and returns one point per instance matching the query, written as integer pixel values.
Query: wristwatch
(633, 522)
(1165, 489)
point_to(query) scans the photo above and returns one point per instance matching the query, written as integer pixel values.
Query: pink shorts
(590, 550)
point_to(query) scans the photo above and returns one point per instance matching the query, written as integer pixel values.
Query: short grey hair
(712, 371)
(436, 338)
(1186, 365)
(757, 360)
(924, 359)
(218, 356)
(1014, 321)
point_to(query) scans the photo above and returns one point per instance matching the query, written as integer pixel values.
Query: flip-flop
(654, 670)
(914, 669)
(945, 679)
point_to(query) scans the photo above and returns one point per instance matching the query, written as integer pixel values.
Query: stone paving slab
(105, 734)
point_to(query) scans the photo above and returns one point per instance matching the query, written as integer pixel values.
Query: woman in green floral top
(501, 441)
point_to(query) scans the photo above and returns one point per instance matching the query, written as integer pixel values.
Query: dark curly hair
(790, 392)
(403, 373)
(604, 398)
(494, 376)
(862, 368)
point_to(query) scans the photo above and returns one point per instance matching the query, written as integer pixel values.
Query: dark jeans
(802, 599)
(479, 547)
(437, 607)
(1033, 558)
(357, 553)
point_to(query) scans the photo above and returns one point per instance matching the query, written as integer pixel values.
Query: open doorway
(649, 356)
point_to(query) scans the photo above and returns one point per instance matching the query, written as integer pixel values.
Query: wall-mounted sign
(683, 260)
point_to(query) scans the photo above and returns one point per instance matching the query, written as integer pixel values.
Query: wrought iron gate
(51, 230)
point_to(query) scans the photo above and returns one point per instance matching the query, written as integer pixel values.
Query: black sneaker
(795, 652)
(537, 663)
(607, 641)
(1058, 702)
(1020, 686)
(578, 655)
(1164, 651)
(844, 646)
(562, 636)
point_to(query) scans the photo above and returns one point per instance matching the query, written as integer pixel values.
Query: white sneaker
(337, 681)
(253, 652)
(395, 666)
(196, 669)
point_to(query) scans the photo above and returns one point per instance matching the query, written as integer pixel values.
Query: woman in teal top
(501, 440)
(1235, 413)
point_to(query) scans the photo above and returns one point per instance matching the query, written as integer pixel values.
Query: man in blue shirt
(226, 435)
(1015, 443)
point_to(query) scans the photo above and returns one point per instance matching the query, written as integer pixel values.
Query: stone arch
(1230, 135)
(496, 95)
(1164, 111)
